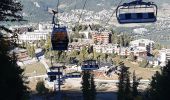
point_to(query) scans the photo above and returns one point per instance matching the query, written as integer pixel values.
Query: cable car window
(151, 15)
(122, 16)
(134, 16)
(128, 16)
(145, 15)
(139, 15)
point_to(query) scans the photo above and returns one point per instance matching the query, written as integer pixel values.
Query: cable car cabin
(90, 65)
(59, 38)
(137, 12)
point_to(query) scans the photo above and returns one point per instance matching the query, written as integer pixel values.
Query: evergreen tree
(9, 11)
(132, 57)
(128, 90)
(31, 50)
(114, 37)
(122, 84)
(92, 88)
(159, 87)
(12, 82)
(86, 85)
(135, 84)
(124, 87)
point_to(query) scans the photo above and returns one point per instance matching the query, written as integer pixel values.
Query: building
(105, 48)
(42, 32)
(139, 53)
(143, 44)
(103, 38)
(122, 51)
(77, 45)
(21, 54)
(164, 56)
(33, 36)
(153, 61)
(126, 51)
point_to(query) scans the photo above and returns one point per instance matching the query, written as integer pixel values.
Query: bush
(41, 89)
(143, 63)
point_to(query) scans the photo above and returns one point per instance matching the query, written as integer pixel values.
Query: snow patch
(24, 14)
(36, 4)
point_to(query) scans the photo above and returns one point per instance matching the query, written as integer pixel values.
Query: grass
(34, 69)
(144, 73)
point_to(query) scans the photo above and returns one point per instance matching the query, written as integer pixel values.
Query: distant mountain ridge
(36, 10)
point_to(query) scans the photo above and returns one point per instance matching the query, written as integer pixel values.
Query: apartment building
(143, 44)
(164, 56)
(105, 48)
(103, 38)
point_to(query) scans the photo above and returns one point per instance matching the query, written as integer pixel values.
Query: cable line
(82, 11)
(113, 13)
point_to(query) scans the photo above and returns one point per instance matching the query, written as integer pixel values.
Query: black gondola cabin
(59, 38)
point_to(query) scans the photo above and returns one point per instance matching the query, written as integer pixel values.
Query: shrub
(41, 89)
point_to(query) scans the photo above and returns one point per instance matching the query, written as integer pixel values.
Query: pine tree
(86, 85)
(122, 82)
(12, 82)
(135, 85)
(31, 50)
(9, 11)
(159, 87)
(128, 90)
(124, 86)
(92, 88)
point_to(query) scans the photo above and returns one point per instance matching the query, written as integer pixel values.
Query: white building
(45, 26)
(42, 33)
(143, 44)
(85, 33)
(105, 48)
(164, 56)
(123, 51)
(32, 36)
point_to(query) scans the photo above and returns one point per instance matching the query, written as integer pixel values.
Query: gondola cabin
(59, 38)
(137, 12)
(90, 65)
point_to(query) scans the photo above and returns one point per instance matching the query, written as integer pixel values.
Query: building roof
(146, 41)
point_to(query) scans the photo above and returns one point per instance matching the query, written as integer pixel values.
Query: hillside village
(100, 41)
(34, 54)
(87, 53)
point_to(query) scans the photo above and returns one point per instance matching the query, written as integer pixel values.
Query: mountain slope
(36, 10)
